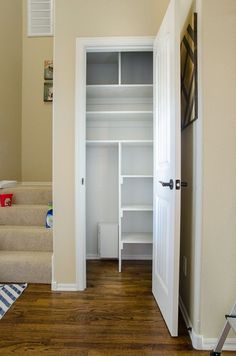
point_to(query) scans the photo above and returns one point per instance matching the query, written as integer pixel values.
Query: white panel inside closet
(102, 191)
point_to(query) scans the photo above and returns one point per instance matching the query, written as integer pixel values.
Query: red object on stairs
(6, 199)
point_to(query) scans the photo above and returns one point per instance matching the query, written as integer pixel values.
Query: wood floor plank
(115, 316)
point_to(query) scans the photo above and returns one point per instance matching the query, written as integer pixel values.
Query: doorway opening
(98, 102)
(127, 149)
(119, 155)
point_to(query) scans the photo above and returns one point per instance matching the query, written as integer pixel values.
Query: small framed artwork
(48, 92)
(48, 70)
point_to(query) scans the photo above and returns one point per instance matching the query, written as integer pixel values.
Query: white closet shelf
(102, 143)
(119, 91)
(137, 176)
(136, 238)
(137, 208)
(126, 142)
(137, 143)
(120, 115)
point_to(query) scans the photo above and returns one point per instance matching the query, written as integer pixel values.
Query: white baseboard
(137, 257)
(210, 343)
(64, 287)
(92, 256)
(195, 338)
(125, 257)
(35, 183)
(53, 277)
(199, 342)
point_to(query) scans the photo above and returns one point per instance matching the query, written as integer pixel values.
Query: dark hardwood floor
(116, 315)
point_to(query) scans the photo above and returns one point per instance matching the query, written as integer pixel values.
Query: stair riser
(25, 216)
(29, 195)
(35, 268)
(17, 240)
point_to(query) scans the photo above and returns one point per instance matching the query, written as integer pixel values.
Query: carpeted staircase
(25, 244)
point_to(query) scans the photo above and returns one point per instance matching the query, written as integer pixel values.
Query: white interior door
(166, 229)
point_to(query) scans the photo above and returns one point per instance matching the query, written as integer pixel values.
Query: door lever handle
(169, 184)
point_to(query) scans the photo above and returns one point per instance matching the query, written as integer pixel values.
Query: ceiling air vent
(40, 18)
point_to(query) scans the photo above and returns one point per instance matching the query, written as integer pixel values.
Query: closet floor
(116, 315)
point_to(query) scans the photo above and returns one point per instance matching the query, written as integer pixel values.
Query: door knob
(179, 184)
(169, 184)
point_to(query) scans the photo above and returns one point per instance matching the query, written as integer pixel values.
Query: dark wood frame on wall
(189, 75)
(47, 93)
(48, 84)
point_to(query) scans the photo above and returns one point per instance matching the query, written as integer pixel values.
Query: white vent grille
(40, 17)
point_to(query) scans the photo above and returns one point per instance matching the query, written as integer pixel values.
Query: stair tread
(25, 227)
(21, 254)
(27, 194)
(24, 206)
(27, 187)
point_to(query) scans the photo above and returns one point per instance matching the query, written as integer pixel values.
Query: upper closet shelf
(119, 91)
(114, 142)
(119, 115)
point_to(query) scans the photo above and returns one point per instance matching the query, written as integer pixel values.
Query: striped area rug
(8, 295)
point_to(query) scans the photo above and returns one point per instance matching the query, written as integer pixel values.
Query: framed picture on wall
(48, 92)
(48, 70)
(189, 72)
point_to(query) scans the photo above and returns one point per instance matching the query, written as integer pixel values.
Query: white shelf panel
(137, 176)
(119, 91)
(137, 142)
(136, 238)
(119, 115)
(113, 142)
(137, 208)
(101, 143)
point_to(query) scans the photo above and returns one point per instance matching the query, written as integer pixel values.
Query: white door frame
(84, 45)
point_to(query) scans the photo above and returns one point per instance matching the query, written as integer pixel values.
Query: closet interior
(119, 155)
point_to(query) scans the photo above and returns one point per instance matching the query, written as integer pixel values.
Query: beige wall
(218, 286)
(10, 89)
(111, 18)
(83, 18)
(36, 115)
(219, 166)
